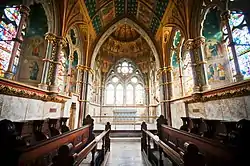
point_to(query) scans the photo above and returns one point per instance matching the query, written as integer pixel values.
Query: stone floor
(125, 152)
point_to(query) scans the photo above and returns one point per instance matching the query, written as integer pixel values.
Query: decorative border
(11, 88)
(235, 90)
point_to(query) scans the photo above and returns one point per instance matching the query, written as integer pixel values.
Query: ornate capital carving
(199, 41)
(50, 37)
(191, 44)
(225, 16)
(24, 10)
(61, 41)
(85, 68)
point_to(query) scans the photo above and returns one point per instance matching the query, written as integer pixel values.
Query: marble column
(225, 19)
(24, 11)
(60, 43)
(50, 38)
(69, 75)
(196, 50)
(166, 92)
(84, 93)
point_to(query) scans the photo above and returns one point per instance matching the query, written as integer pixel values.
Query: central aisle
(125, 152)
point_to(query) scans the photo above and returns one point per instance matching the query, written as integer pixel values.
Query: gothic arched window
(128, 86)
(182, 76)
(9, 24)
(240, 41)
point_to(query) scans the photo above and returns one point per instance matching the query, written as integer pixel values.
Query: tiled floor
(125, 152)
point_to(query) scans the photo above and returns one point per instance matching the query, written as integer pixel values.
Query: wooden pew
(216, 153)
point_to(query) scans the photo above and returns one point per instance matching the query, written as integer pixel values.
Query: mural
(108, 13)
(63, 70)
(32, 60)
(187, 75)
(73, 76)
(34, 69)
(215, 50)
(144, 14)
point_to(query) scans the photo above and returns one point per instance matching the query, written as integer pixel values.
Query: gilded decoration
(25, 92)
(242, 89)
(85, 68)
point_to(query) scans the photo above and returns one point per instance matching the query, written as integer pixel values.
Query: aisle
(125, 152)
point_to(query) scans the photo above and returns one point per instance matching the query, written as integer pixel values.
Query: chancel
(124, 82)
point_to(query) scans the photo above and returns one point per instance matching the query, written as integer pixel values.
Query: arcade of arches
(125, 59)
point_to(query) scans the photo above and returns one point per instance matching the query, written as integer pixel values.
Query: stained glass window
(73, 76)
(130, 94)
(176, 83)
(128, 83)
(119, 94)
(182, 76)
(110, 94)
(241, 42)
(139, 94)
(9, 23)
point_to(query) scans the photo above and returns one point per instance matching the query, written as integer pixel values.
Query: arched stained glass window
(182, 75)
(119, 94)
(128, 83)
(187, 75)
(139, 94)
(241, 42)
(73, 76)
(130, 94)
(110, 94)
(8, 30)
(176, 82)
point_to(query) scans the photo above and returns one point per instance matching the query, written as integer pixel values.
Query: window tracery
(9, 24)
(182, 77)
(124, 85)
(241, 42)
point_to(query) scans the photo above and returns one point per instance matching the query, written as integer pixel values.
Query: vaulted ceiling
(148, 13)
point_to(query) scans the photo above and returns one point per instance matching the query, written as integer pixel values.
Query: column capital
(85, 68)
(24, 10)
(50, 37)
(61, 41)
(195, 43)
(225, 15)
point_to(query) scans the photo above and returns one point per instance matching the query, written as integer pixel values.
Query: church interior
(175, 73)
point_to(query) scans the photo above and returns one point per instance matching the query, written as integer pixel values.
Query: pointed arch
(112, 28)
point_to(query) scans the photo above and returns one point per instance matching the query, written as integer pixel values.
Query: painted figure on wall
(216, 71)
(36, 43)
(34, 69)
(108, 13)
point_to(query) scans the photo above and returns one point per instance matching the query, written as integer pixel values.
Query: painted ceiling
(148, 13)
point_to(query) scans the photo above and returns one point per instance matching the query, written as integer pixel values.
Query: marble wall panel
(196, 110)
(232, 109)
(34, 110)
(177, 111)
(247, 102)
(48, 106)
(14, 108)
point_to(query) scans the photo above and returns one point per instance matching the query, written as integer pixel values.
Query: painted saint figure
(34, 71)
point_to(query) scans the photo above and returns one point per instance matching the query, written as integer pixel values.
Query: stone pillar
(60, 43)
(167, 92)
(147, 102)
(51, 39)
(225, 19)
(24, 11)
(69, 75)
(196, 50)
(83, 93)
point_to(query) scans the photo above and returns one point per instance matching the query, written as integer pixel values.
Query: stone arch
(112, 28)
